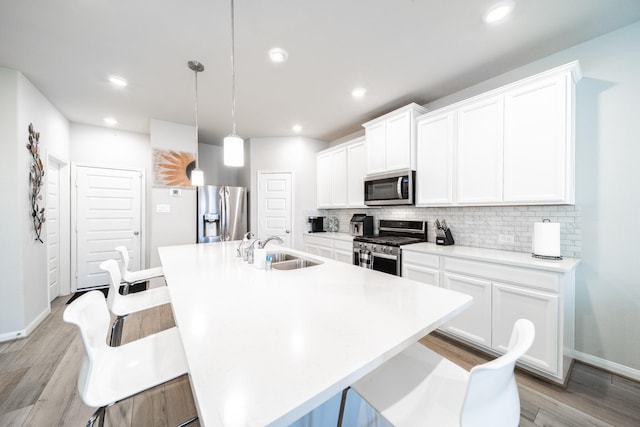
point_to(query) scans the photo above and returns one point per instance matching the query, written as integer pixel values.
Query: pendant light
(233, 144)
(197, 175)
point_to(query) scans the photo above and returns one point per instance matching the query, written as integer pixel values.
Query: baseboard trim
(607, 365)
(8, 336)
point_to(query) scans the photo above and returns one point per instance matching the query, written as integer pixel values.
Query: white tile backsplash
(481, 226)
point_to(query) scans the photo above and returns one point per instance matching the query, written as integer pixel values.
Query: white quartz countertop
(519, 259)
(266, 347)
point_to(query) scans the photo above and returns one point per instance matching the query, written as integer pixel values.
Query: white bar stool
(131, 277)
(418, 387)
(107, 374)
(122, 305)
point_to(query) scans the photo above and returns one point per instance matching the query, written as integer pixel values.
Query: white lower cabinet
(421, 267)
(511, 303)
(473, 324)
(501, 295)
(328, 245)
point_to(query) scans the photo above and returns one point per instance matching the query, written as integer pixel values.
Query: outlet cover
(506, 239)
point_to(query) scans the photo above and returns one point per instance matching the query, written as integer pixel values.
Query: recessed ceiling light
(296, 127)
(117, 81)
(498, 12)
(278, 55)
(358, 92)
(110, 121)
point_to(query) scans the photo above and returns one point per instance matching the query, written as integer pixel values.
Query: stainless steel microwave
(393, 188)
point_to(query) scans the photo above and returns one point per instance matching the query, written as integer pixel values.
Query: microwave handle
(399, 189)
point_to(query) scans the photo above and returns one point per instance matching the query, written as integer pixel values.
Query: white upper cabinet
(513, 145)
(435, 159)
(538, 142)
(339, 177)
(356, 170)
(332, 178)
(479, 156)
(391, 140)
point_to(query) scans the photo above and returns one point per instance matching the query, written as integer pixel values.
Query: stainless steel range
(383, 252)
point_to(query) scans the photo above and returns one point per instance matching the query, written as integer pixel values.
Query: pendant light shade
(197, 175)
(234, 151)
(233, 144)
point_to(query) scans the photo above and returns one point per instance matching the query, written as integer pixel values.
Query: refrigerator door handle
(221, 210)
(227, 213)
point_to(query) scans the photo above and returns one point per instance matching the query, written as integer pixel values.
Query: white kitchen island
(266, 347)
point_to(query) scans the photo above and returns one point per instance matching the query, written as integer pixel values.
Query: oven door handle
(385, 256)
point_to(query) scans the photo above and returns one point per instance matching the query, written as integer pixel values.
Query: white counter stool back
(108, 374)
(418, 387)
(131, 277)
(122, 305)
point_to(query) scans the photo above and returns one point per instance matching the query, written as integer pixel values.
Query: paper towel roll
(546, 239)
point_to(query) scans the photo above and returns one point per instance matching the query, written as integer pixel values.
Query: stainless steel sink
(287, 261)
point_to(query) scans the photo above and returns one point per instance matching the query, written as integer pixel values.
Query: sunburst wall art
(172, 168)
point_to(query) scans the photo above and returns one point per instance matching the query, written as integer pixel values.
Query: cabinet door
(376, 150)
(356, 170)
(430, 276)
(434, 173)
(511, 303)
(479, 152)
(473, 324)
(339, 178)
(398, 142)
(537, 142)
(323, 180)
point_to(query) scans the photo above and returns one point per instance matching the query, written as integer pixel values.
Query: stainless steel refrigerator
(222, 213)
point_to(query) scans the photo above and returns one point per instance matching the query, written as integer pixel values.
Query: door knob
(135, 233)
(286, 231)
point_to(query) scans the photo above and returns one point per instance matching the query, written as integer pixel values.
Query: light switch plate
(163, 208)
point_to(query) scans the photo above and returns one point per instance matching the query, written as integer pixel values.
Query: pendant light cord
(196, 71)
(233, 72)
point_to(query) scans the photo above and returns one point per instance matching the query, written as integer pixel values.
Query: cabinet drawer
(317, 241)
(420, 258)
(343, 245)
(522, 276)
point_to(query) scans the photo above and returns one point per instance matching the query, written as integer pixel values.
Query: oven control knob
(373, 248)
(387, 250)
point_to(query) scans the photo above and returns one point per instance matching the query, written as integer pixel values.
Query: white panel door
(108, 214)
(480, 139)
(473, 324)
(536, 142)
(435, 152)
(274, 206)
(53, 228)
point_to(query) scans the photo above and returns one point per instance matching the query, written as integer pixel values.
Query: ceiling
(400, 50)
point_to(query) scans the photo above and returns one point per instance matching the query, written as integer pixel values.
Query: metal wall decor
(35, 182)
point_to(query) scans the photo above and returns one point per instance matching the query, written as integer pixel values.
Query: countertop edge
(517, 259)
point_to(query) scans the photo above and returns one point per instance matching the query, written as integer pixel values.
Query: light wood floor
(38, 377)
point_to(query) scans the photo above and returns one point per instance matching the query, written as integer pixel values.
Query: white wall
(112, 148)
(11, 298)
(607, 176)
(24, 290)
(179, 225)
(211, 161)
(294, 154)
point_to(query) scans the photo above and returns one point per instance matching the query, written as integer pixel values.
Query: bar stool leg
(186, 423)
(116, 331)
(343, 401)
(98, 414)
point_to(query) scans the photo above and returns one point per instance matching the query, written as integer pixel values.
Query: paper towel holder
(547, 257)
